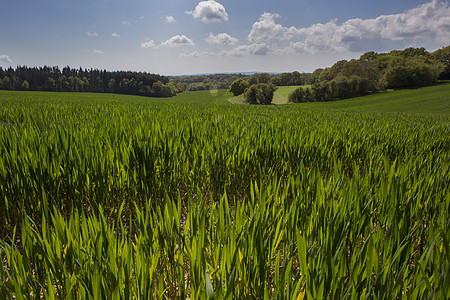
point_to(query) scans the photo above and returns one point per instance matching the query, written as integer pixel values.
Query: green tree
(238, 87)
(443, 56)
(264, 78)
(410, 72)
(157, 88)
(25, 85)
(261, 93)
(112, 85)
(50, 84)
(297, 96)
(6, 83)
(167, 91)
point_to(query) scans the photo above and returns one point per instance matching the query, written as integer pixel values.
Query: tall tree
(443, 55)
(238, 87)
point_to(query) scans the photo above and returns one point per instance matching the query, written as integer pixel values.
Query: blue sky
(174, 37)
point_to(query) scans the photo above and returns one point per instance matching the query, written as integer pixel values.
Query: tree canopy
(261, 93)
(238, 87)
(443, 56)
(409, 68)
(82, 80)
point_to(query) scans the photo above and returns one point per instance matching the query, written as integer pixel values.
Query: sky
(180, 37)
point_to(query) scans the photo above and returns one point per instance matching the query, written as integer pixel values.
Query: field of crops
(106, 196)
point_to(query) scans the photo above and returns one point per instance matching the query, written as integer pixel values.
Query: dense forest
(24, 78)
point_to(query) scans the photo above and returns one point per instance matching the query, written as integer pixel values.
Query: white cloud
(115, 35)
(96, 51)
(5, 58)
(209, 11)
(177, 41)
(245, 50)
(265, 29)
(223, 39)
(125, 22)
(91, 33)
(170, 19)
(427, 25)
(149, 44)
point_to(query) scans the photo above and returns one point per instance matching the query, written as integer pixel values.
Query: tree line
(223, 81)
(23, 78)
(373, 72)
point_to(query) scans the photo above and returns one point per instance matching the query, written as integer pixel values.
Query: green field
(113, 196)
(435, 99)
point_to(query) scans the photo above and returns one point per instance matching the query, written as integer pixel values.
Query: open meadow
(113, 196)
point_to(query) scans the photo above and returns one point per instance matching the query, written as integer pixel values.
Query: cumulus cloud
(223, 39)
(245, 50)
(148, 44)
(124, 22)
(177, 41)
(5, 58)
(170, 19)
(209, 11)
(265, 29)
(115, 35)
(91, 33)
(427, 24)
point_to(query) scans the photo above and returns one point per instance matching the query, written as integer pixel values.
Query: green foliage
(422, 101)
(409, 68)
(340, 87)
(298, 95)
(443, 56)
(205, 82)
(25, 85)
(238, 87)
(130, 197)
(161, 90)
(410, 73)
(261, 93)
(289, 79)
(79, 80)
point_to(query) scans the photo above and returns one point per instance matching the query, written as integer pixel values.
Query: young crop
(108, 197)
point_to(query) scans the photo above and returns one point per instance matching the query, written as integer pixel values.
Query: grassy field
(114, 196)
(435, 99)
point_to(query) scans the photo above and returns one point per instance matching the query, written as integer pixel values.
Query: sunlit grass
(112, 196)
